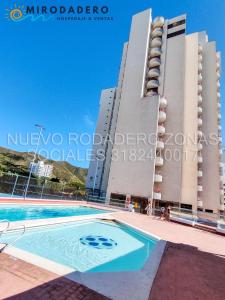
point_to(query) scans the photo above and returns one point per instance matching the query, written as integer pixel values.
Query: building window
(209, 211)
(175, 33)
(176, 24)
(186, 206)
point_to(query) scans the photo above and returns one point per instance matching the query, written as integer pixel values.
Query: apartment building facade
(161, 126)
(41, 169)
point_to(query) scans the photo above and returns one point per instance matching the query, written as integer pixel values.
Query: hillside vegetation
(18, 162)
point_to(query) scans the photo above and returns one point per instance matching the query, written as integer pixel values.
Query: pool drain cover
(98, 242)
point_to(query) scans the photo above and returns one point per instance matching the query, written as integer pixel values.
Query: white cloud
(88, 120)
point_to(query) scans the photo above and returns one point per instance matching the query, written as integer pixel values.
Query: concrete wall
(190, 126)
(100, 145)
(210, 181)
(112, 130)
(136, 115)
(174, 92)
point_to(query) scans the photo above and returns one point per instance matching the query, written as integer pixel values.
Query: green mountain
(18, 163)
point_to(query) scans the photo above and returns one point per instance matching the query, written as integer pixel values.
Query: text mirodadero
(67, 10)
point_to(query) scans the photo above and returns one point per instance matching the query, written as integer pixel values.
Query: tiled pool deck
(192, 267)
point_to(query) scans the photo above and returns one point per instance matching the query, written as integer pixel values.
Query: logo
(15, 14)
(98, 242)
(59, 13)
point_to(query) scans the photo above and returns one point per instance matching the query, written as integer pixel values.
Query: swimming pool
(30, 212)
(88, 246)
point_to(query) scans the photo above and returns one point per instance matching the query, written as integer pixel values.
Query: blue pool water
(29, 212)
(90, 246)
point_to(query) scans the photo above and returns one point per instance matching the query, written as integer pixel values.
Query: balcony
(200, 49)
(199, 88)
(221, 151)
(158, 161)
(199, 147)
(199, 110)
(219, 116)
(200, 189)
(218, 95)
(199, 203)
(221, 164)
(222, 206)
(159, 145)
(162, 102)
(156, 42)
(217, 66)
(218, 85)
(151, 93)
(199, 68)
(158, 22)
(220, 139)
(221, 178)
(199, 78)
(157, 196)
(155, 52)
(161, 130)
(152, 84)
(199, 173)
(219, 105)
(200, 159)
(221, 192)
(153, 73)
(199, 99)
(200, 134)
(218, 75)
(199, 122)
(200, 58)
(157, 32)
(154, 62)
(162, 117)
(158, 178)
(219, 127)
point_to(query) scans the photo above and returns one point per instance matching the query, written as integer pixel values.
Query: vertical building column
(190, 123)
(211, 162)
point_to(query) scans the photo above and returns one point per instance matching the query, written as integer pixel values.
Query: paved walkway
(23, 281)
(185, 273)
(176, 233)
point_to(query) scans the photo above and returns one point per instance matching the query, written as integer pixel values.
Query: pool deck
(192, 267)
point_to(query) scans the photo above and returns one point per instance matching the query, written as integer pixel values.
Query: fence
(199, 217)
(12, 185)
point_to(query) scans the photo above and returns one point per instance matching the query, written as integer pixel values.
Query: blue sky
(52, 72)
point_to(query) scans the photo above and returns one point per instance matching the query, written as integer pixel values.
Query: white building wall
(112, 130)
(100, 141)
(136, 115)
(210, 181)
(190, 126)
(174, 92)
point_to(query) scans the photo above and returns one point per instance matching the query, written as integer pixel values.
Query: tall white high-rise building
(158, 135)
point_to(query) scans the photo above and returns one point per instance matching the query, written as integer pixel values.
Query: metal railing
(4, 245)
(14, 186)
